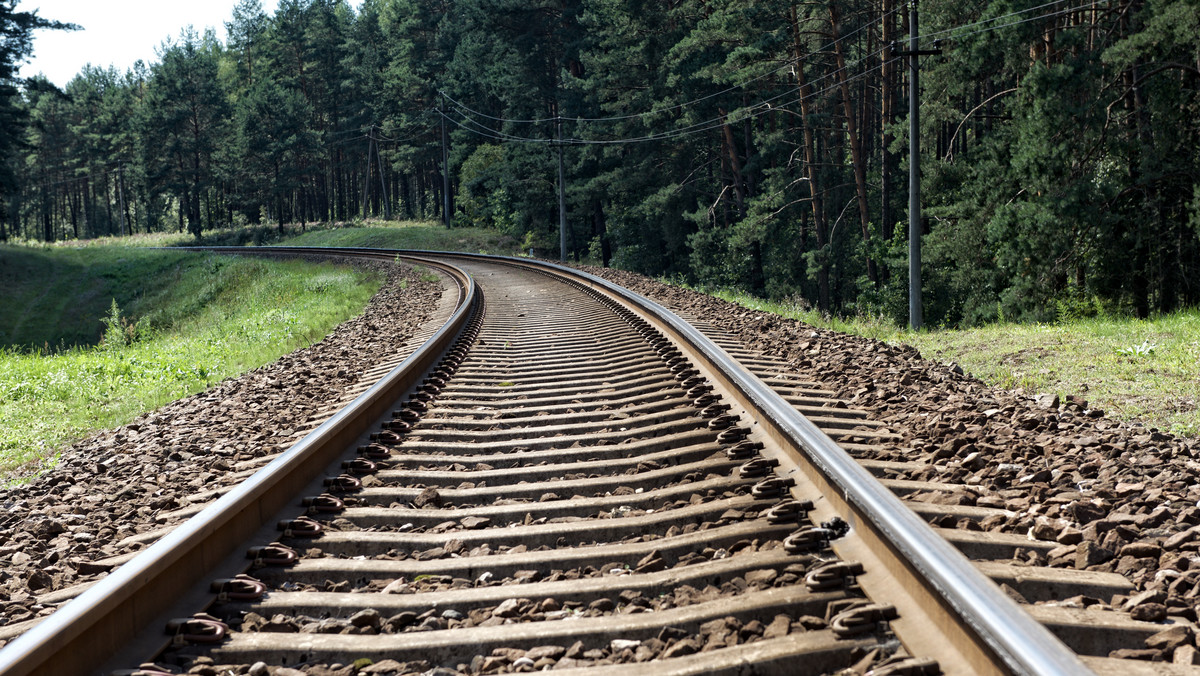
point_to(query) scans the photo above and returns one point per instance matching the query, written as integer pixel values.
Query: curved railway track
(568, 476)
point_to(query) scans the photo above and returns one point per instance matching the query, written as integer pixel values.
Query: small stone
(258, 669)
(38, 580)
(1140, 550)
(1046, 401)
(1170, 639)
(762, 577)
(474, 522)
(384, 667)
(1186, 655)
(780, 626)
(1090, 554)
(281, 624)
(540, 652)
(1145, 654)
(619, 644)
(1140, 598)
(603, 605)
(428, 498)
(401, 620)
(687, 646)
(368, 617)
(1044, 529)
(1070, 536)
(508, 608)
(91, 568)
(650, 563)
(395, 587)
(1178, 539)
(526, 576)
(1149, 612)
(668, 634)
(430, 554)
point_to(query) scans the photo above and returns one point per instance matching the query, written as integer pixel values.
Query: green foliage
(118, 331)
(411, 235)
(757, 145)
(483, 194)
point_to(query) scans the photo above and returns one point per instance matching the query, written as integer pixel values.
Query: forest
(753, 144)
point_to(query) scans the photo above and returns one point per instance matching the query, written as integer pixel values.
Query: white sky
(117, 32)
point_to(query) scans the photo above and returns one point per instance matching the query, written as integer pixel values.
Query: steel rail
(1007, 639)
(82, 634)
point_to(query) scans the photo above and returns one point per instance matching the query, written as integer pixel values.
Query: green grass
(54, 297)
(411, 235)
(1146, 370)
(185, 321)
(188, 321)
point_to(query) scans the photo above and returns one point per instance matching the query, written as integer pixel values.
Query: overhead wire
(750, 112)
(787, 64)
(947, 31)
(1049, 15)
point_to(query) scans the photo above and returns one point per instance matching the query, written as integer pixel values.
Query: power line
(757, 110)
(1047, 15)
(614, 118)
(760, 108)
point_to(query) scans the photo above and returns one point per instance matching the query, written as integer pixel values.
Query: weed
(1143, 350)
(118, 330)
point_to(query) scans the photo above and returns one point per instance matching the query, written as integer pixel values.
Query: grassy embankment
(1146, 370)
(183, 322)
(201, 319)
(409, 235)
(384, 235)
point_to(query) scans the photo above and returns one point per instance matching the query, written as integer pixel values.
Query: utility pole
(366, 178)
(387, 205)
(915, 312)
(445, 166)
(121, 194)
(562, 195)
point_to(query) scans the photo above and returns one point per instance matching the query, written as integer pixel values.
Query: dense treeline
(754, 143)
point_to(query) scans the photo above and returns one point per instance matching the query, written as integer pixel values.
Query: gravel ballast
(1118, 497)
(57, 530)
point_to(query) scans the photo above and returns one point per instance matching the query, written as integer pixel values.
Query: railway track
(565, 476)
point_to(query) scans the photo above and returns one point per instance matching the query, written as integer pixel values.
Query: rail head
(86, 630)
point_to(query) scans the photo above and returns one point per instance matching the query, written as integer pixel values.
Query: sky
(117, 32)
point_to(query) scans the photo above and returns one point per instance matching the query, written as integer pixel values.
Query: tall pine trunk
(810, 170)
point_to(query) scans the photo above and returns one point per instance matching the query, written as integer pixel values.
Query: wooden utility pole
(121, 194)
(445, 167)
(387, 205)
(562, 194)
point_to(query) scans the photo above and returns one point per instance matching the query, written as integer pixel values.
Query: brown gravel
(118, 483)
(1118, 496)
